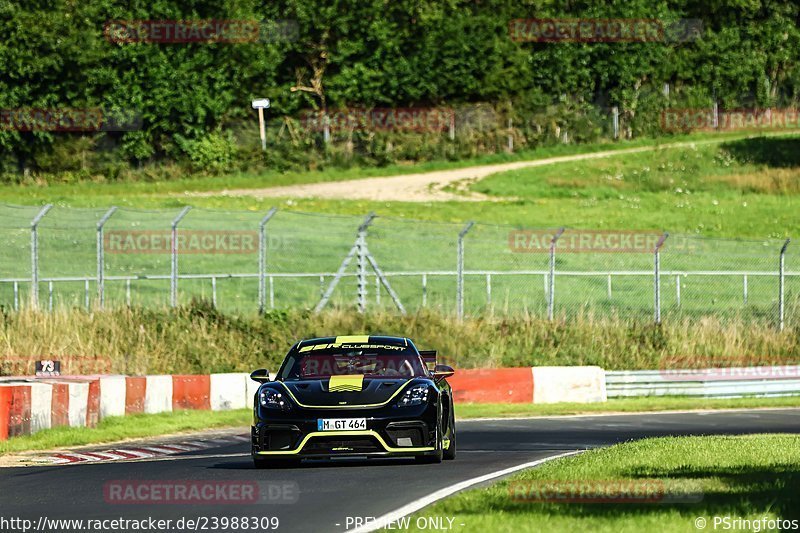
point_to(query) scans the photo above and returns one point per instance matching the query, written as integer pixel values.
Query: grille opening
(342, 445)
(277, 439)
(406, 437)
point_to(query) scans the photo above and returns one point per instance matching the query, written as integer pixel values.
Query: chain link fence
(249, 261)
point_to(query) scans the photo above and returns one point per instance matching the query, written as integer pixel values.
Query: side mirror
(261, 375)
(442, 371)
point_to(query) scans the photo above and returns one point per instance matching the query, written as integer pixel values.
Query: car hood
(345, 390)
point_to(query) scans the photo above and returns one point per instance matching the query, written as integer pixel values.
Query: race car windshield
(321, 364)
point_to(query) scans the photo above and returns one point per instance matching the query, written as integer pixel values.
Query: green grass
(117, 428)
(161, 193)
(741, 187)
(197, 339)
(621, 405)
(745, 188)
(114, 429)
(750, 477)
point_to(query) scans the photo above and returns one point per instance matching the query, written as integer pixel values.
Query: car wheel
(436, 457)
(449, 453)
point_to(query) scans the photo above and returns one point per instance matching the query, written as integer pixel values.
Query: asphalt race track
(321, 496)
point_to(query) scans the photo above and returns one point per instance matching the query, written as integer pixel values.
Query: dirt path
(428, 186)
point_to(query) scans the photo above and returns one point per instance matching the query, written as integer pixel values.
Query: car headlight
(415, 395)
(272, 399)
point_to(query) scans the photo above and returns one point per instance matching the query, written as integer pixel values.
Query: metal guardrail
(764, 381)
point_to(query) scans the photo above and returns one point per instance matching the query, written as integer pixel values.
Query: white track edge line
(416, 505)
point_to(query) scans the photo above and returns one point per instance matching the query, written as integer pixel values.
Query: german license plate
(341, 424)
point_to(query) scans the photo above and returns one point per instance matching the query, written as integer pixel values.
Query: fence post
(360, 242)
(173, 285)
(551, 292)
(271, 293)
(361, 262)
(101, 289)
(781, 282)
(744, 289)
(657, 277)
(460, 268)
(262, 259)
(35, 254)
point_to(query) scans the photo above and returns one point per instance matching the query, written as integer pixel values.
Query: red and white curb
(135, 453)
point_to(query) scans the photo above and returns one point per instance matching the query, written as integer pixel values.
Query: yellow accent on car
(358, 339)
(346, 383)
(359, 433)
(446, 443)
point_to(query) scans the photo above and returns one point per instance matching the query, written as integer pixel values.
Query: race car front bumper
(390, 431)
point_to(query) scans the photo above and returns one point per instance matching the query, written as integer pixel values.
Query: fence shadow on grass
(749, 490)
(743, 491)
(773, 152)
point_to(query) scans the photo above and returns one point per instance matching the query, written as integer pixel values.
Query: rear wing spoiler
(429, 358)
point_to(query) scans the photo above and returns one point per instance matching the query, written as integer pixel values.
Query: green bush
(214, 152)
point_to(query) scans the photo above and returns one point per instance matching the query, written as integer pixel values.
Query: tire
(449, 453)
(436, 458)
(430, 459)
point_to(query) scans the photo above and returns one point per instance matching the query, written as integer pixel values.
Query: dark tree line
(362, 53)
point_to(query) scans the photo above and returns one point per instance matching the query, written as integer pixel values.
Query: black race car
(354, 396)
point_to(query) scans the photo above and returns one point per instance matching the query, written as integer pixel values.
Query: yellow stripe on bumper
(359, 433)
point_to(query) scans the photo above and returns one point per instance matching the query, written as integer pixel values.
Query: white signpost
(261, 104)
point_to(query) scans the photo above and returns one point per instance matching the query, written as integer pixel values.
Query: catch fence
(254, 261)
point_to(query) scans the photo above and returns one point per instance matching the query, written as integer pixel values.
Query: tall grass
(198, 339)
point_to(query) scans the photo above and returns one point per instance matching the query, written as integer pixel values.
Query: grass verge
(199, 339)
(748, 477)
(148, 193)
(141, 426)
(620, 405)
(117, 428)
